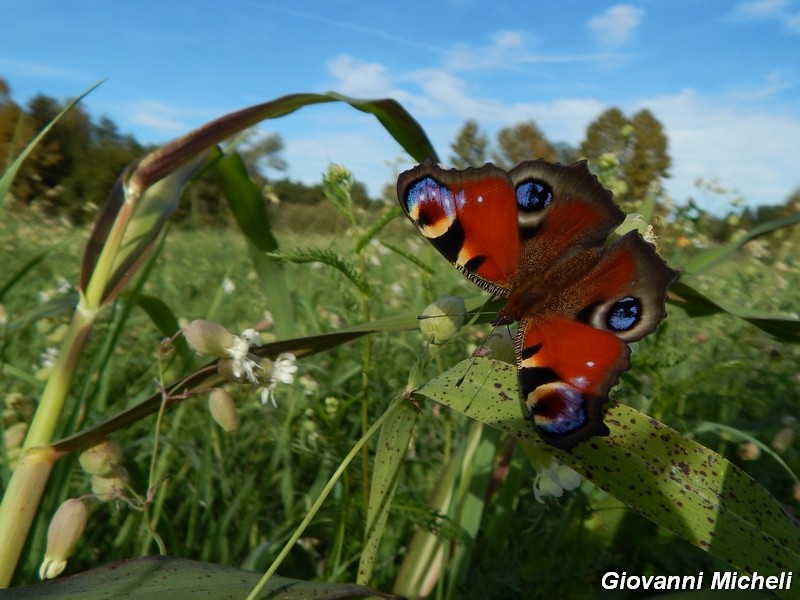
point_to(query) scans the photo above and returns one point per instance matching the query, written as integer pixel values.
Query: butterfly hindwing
(572, 350)
(624, 293)
(566, 369)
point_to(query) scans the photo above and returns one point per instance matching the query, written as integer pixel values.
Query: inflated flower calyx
(101, 459)
(209, 338)
(66, 528)
(443, 319)
(223, 409)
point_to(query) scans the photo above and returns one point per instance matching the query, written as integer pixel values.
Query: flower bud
(66, 528)
(223, 409)
(502, 345)
(748, 451)
(101, 458)
(109, 488)
(14, 435)
(442, 319)
(783, 439)
(208, 338)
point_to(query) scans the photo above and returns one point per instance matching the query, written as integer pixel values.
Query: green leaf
(127, 228)
(387, 217)
(246, 201)
(177, 578)
(672, 480)
(208, 376)
(401, 125)
(392, 446)
(696, 304)
(27, 268)
(247, 205)
(711, 257)
(148, 190)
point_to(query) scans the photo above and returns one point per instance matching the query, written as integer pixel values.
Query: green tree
(609, 133)
(96, 168)
(523, 141)
(470, 146)
(263, 151)
(65, 143)
(639, 145)
(648, 161)
(566, 153)
(16, 131)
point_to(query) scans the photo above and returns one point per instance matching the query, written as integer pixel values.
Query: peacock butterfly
(535, 235)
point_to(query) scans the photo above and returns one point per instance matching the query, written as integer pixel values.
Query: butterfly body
(534, 235)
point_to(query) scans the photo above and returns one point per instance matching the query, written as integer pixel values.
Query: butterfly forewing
(469, 216)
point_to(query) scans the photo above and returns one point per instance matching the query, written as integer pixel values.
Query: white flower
(228, 286)
(283, 370)
(48, 357)
(239, 352)
(63, 286)
(554, 479)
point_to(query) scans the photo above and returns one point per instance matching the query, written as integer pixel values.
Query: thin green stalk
(366, 366)
(322, 497)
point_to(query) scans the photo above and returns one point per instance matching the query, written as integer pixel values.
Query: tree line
(638, 145)
(70, 173)
(72, 170)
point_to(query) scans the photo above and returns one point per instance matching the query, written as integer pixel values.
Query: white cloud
(509, 50)
(503, 47)
(782, 11)
(29, 68)
(747, 148)
(616, 25)
(359, 78)
(161, 117)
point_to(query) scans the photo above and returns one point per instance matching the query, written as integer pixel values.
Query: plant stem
(322, 497)
(19, 506)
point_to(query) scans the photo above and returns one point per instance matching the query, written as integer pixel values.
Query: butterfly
(535, 236)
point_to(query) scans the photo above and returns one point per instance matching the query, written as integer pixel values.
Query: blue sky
(721, 76)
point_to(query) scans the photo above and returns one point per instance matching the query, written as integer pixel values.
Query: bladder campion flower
(283, 370)
(553, 478)
(210, 338)
(223, 409)
(501, 344)
(66, 528)
(111, 487)
(101, 459)
(441, 320)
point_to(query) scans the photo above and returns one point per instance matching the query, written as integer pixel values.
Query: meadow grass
(236, 498)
